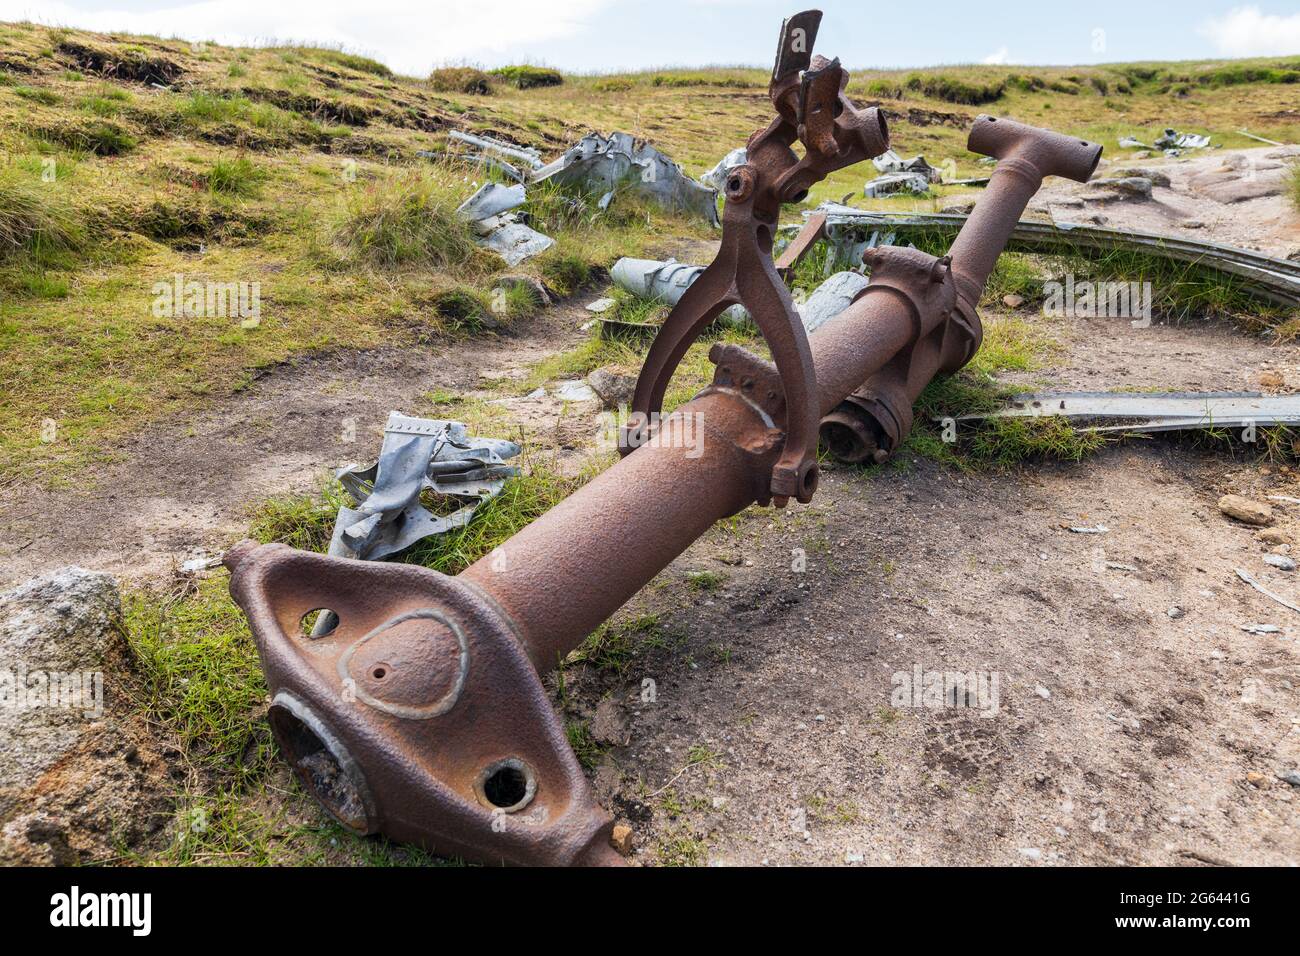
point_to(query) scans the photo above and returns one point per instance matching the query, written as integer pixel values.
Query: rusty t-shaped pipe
(422, 714)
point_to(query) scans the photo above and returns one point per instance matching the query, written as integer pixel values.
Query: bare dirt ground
(184, 488)
(1129, 707)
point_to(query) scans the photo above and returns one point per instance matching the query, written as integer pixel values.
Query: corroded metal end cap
(418, 714)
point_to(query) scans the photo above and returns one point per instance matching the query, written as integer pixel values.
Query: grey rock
(1136, 187)
(1280, 561)
(613, 384)
(1290, 776)
(58, 625)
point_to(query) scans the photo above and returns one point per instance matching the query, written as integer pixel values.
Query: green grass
(460, 79)
(36, 218)
(528, 77)
(1294, 184)
(194, 652)
(235, 177)
(409, 219)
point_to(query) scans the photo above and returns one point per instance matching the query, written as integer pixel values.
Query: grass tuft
(407, 219)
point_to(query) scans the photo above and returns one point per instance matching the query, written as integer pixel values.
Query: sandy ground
(1125, 705)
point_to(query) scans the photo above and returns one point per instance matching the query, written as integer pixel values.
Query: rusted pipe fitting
(872, 422)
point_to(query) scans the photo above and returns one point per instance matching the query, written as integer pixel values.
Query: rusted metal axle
(421, 714)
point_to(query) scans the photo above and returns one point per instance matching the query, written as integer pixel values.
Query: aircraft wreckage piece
(1153, 411)
(850, 231)
(422, 715)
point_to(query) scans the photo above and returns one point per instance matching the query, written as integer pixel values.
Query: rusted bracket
(808, 95)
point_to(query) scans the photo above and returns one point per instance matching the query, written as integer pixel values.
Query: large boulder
(78, 779)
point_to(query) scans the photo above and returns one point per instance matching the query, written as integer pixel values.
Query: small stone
(1031, 853)
(1193, 224)
(1280, 561)
(613, 384)
(1013, 301)
(1042, 692)
(1273, 536)
(852, 856)
(601, 305)
(1243, 509)
(1257, 779)
(621, 839)
(1290, 776)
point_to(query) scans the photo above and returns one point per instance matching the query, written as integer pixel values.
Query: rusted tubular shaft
(553, 579)
(1026, 155)
(872, 422)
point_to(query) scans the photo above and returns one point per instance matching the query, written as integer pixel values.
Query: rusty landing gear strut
(421, 714)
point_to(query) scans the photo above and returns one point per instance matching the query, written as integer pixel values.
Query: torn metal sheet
(418, 454)
(1155, 412)
(717, 176)
(1129, 142)
(512, 240)
(1249, 579)
(602, 165)
(492, 199)
(891, 184)
(851, 230)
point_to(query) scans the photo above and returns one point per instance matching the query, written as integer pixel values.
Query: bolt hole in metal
(379, 673)
(319, 622)
(507, 785)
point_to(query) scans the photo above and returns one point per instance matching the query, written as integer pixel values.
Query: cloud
(408, 35)
(997, 57)
(1244, 31)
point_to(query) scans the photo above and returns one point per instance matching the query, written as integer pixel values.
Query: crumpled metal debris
(500, 230)
(1174, 140)
(893, 183)
(716, 176)
(891, 162)
(605, 164)
(418, 454)
(668, 281)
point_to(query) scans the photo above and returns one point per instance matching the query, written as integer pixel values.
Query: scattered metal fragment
(203, 563)
(1173, 142)
(1284, 498)
(1117, 566)
(600, 164)
(1261, 628)
(492, 199)
(891, 184)
(890, 162)
(1260, 139)
(1153, 411)
(666, 281)
(1246, 576)
(418, 455)
(575, 391)
(850, 230)
(1099, 529)
(499, 229)
(717, 176)
(512, 240)
(494, 147)
(830, 299)
(601, 305)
